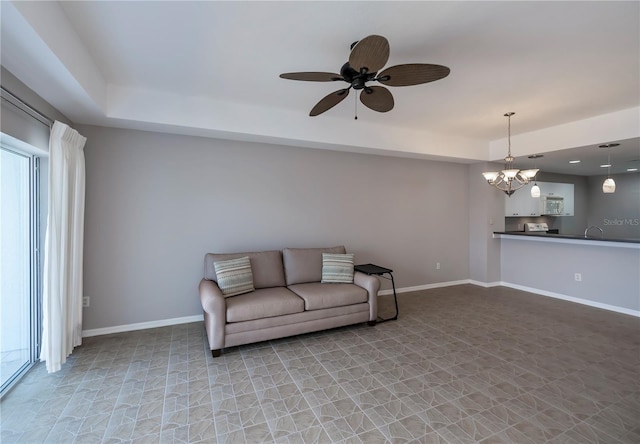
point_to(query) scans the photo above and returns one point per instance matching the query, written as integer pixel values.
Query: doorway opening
(20, 263)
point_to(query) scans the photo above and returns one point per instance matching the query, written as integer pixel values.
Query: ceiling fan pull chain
(355, 97)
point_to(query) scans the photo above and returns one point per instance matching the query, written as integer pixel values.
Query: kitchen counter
(565, 237)
(602, 273)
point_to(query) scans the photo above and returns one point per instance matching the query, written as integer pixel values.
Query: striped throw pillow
(234, 276)
(337, 268)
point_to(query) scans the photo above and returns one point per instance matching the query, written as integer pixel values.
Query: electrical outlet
(578, 277)
(437, 265)
(86, 301)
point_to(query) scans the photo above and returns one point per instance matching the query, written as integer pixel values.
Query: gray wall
(609, 273)
(618, 214)
(156, 203)
(486, 215)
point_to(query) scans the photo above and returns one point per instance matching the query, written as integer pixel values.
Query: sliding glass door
(19, 270)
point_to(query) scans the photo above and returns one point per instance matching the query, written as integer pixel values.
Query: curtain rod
(25, 107)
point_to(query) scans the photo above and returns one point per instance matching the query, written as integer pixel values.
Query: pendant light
(510, 179)
(609, 185)
(535, 189)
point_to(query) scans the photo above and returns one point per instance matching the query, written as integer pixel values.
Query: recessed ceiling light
(632, 169)
(606, 165)
(574, 161)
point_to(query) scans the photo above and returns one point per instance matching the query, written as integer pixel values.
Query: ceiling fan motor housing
(357, 79)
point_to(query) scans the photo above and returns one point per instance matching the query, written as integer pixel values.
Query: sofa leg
(371, 323)
(216, 353)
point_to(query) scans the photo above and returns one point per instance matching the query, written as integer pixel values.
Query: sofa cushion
(234, 276)
(305, 264)
(263, 303)
(337, 268)
(266, 267)
(318, 296)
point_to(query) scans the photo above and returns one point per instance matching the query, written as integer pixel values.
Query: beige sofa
(288, 299)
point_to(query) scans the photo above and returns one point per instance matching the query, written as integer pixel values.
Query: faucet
(594, 226)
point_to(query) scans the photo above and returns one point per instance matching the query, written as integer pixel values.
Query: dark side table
(377, 270)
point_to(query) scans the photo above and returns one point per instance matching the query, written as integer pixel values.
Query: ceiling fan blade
(312, 76)
(371, 52)
(378, 98)
(412, 74)
(329, 101)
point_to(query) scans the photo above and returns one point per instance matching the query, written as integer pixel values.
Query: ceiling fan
(367, 57)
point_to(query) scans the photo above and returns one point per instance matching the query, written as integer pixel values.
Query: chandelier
(510, 179)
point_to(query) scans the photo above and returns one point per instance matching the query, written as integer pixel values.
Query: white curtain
(62, 280)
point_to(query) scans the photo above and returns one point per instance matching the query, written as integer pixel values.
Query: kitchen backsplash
(517, 223)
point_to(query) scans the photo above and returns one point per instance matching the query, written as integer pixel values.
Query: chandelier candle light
(510, 179)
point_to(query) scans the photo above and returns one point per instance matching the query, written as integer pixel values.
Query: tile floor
(462, 364)
(12, 361)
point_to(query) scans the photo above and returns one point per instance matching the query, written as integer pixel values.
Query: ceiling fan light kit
(367, 57)
(510, 179)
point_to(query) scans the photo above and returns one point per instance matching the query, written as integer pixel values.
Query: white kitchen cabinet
(521, 204)
(564, 190)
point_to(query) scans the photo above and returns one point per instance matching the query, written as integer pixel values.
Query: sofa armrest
(372, 285)
(215, 313)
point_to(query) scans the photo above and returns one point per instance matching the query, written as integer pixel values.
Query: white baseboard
(550, 294)
(564, 297)
(485, 284)
(140, 326)
(197, 318)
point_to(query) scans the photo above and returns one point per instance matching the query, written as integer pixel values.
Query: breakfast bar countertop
(560, 237)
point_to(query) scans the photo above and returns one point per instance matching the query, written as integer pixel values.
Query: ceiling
(211, 69)
(623, 158)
